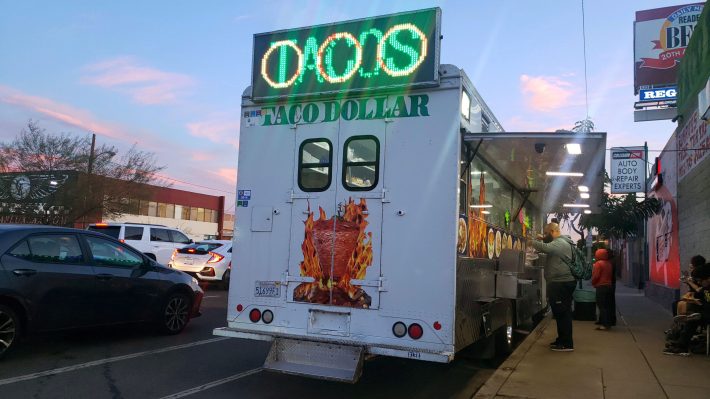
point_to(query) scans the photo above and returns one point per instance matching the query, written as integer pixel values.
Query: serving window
(315, 165)
(361, 163)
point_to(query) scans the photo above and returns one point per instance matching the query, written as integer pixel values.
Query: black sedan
(59, 278)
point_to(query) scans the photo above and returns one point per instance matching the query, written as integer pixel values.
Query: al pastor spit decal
(335, 252)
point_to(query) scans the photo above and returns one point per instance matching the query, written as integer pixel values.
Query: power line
(584, 46)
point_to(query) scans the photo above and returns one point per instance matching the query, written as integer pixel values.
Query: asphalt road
(136, 362)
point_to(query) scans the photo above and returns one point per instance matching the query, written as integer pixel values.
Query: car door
(127, 289)
(162, 244)
(51, 272)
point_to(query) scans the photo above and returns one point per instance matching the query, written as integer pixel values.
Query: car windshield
(112, 231)
(200, 248)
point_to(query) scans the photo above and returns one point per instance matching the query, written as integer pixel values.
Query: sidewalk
(625, 362)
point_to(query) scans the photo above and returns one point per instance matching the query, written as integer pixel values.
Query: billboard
(660, 38)
(390, 51)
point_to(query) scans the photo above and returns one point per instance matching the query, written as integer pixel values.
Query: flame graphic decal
(335, 252)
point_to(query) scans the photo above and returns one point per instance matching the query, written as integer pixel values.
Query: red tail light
(191, 250)
(215, 258)
(437, 325)
(240, 307)
(415, 331)
(122, 241)
(255, 315)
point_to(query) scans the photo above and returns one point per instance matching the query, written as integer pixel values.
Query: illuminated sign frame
(390, 51)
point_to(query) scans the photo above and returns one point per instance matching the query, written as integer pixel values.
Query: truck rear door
(337, 214)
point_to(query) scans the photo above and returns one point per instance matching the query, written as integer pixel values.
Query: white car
(208, 260)
(156, 241)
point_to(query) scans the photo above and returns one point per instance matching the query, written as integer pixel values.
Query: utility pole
(91, 154)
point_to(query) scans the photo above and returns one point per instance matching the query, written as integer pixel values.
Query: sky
(168, 76)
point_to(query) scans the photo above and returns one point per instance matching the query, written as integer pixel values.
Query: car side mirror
(192, 241)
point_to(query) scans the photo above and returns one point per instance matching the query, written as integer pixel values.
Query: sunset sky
(169, 75)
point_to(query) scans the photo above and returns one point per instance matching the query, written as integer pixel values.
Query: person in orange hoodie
(601, 280)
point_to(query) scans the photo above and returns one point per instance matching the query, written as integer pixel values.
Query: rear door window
(315, 161)
(112, 231)
(133, 233)
(361, 163)
(159, 235)
(51, 248)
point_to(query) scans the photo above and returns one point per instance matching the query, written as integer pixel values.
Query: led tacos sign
(397, 50)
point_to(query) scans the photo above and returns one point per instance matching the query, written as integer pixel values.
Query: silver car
(208, 260)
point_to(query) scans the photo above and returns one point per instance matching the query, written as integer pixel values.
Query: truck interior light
(255, 315)
(584, 195)
(576, 205)
(415, 331)
(267, 317)
(486, 212)
(482, 206)
(573, 148)
(399, 329)
(587, 211)
(583, 189)
(578, 174)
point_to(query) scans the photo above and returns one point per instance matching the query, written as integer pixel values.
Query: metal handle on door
(24, 272)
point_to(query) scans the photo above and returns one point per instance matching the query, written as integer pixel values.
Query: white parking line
(212, 384)
(107, 360)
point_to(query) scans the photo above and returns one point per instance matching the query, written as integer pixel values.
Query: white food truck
(381, 208)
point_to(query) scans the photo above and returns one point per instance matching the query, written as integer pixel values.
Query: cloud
(63, 113)
(217, 130)
(227, 174)
(545, 93)
(144, 84)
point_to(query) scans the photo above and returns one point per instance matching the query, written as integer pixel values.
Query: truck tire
(9, 329)
(225, 280)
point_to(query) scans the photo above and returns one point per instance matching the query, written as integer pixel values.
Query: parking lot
(136, 362)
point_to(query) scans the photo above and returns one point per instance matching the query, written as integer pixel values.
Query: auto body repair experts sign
(628, 170)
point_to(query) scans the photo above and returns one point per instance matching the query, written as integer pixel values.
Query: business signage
(390, 51)
(628, 170)
(660, 38)
(660, 94)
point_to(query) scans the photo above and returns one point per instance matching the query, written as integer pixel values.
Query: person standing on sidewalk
(560, 283)
(601, 280)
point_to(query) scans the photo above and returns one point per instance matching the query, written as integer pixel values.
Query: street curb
(490, 388)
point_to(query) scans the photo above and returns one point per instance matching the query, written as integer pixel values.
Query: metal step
(316, 359)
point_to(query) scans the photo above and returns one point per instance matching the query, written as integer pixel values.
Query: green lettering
(418, 105)
(380, 103)
(377, 34)
(310, 56)
(363, 114)
(332, 111)
(401, 47)
(310, 112)
(267, 111)
(349, 110)
(294, 114)
(399, 110)
(281, 117)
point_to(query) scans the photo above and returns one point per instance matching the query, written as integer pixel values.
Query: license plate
(187, 261)
(269, 289)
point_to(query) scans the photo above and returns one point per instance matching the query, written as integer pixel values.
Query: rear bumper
(370, 348)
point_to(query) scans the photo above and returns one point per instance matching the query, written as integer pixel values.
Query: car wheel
(9, 329)
(176, 313)
(225, 279)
